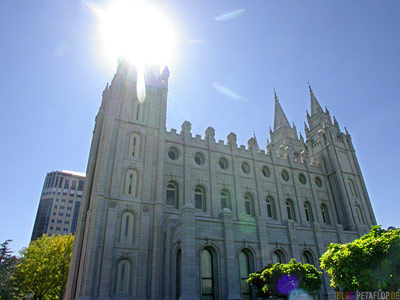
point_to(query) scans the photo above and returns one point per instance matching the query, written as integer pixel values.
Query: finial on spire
(275, 96)
(309, 88)
(254, 134)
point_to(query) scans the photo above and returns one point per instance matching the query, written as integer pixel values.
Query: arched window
(172, 194)
(360, 216)
(134, 145)
(290, 210)
(308, 258)
(123, 276)
(244, 270)
(278, 257)
(271, 207)
(226, 199)
(353, 189)
(200, 197)
(325, 215)
(131, 183)
(178, 273)
(207, 275)
(249, 204)
(127, 228)
(308, 212)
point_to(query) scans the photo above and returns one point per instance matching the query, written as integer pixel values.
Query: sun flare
(136, 31)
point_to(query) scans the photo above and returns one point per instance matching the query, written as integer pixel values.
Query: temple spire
(315, 106)
(280, 119)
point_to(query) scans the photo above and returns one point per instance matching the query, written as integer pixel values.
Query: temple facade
(169, 215)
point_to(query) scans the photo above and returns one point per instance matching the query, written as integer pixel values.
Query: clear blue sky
(52, 77)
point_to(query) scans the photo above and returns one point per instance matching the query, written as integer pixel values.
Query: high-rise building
(169, 215)
(59, 204)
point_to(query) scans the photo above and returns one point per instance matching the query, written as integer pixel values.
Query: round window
(285, 175)
(318, 181)
(199, 158)
(223, 163)
(266, 172)
(173, 153)
(302, 179)
(245, 168)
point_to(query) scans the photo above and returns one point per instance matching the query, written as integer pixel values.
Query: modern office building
(170, 215)
(59, 204)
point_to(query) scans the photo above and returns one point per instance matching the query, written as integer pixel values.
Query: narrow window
(226, 199)
(271, 207)
(244, 269)
(308, 212)
(172, 194)
(127, 228)
(134, 146)
(131, 183)
(199, 197)
(207, 275)
(123, 272)
(138, 112)
(290, 210)
(248, 204)
(325, 214)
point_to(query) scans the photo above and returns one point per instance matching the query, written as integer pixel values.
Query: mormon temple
(166, 215)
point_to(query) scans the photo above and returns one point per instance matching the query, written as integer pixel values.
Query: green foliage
(43, 267)
(371, 262)
(278, 280)
(7, 265)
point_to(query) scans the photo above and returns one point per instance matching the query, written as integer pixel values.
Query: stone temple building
(169, 215)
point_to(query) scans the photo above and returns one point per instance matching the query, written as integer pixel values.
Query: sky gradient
(230, 55)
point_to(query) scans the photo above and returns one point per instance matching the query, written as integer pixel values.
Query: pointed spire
(280, 119)
(306, 129)
(315, 106)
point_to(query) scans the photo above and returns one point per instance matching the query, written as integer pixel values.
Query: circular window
(266, 172)
(285, 175)
(318, 181)
(223, 163)
(302, 179)
(245, 168)
(173, 153)
(199, 158)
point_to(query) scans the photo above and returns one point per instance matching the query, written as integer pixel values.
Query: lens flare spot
(286, 284)
(228, 92)
(230, 15)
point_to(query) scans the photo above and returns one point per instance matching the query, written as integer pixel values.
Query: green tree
(371, 262)
(43, 267)
(280, 280)
(8, 262)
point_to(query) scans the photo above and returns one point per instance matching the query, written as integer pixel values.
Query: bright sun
(136, 31)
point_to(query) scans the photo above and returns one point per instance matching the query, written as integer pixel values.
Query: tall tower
(124, 175)
(328, 145)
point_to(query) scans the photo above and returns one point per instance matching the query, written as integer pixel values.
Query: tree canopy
(8, 262)
(371, 262)
(280, 280)
(43, 267)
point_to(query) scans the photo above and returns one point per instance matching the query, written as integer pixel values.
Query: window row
(172, 199)
(199, 159)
